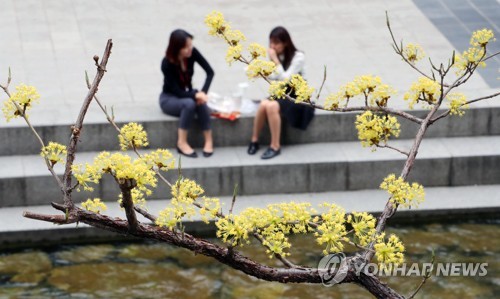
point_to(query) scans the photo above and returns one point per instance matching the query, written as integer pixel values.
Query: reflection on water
(151, 270)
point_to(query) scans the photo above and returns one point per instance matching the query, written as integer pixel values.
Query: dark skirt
(297, 115)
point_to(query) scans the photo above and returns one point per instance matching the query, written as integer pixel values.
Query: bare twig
(447, 112)
(235, 192)
(426, 276)
(145, 213)
(394, 148)
(322, 83)
(76, 129)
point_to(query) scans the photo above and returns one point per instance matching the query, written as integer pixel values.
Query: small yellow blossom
(24, 97)
(389, 253)
(168, 217)
(457, 103)
(209, 209)
(233, 53)
(260, 67)
(132, 135)
(480, 38)
(381, 95)
(257, 50)
(332, 231)
(413, 52)
(364, 227)
(277, 89)
(333, 101)
(94, 205)
(232, 230)
(374, 129)
(216, 23)
(402, 193)
(367, 83)
(276, 243)
(303, 91)
(54, 152)
(234, 37)
(424, 89)
(161, 158)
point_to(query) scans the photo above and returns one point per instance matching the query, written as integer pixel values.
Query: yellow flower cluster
(474, 56)
(480, 38)
(273, 223)
(94, 205)
(364, 227)
(457, 103)
(381, 95)
(161, 158)
(233, 230)
(233, 53)
(374, 129)
(424, 89)
(168, 217)
(184, 193)
(413, 52)
(367, 83)
(209, 208)
(303, 91)
(120, 166)
(24, 97)
(257, 50)
(234, 37)
(331, 231)
(132, 135)
(277, 89)
(389, 253)
(369, 86)
(469, 59)
(402, 193)
(216, 23)
(258, 67)
(54, 152)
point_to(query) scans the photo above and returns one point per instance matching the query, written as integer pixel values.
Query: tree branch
(77, 127)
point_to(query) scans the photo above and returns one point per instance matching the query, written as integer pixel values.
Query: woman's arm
(296, 67)
(206, 67)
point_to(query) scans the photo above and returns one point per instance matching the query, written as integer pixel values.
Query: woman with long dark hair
(179, 98)
(289, 61)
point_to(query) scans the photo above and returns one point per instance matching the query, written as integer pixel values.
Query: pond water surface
(152, 270)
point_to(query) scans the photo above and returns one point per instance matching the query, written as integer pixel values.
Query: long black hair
(280, 34)
(177, 41)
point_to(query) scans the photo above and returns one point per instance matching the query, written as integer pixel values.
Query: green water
(152, 270)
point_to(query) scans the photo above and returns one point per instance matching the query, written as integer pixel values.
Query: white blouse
(296, 67)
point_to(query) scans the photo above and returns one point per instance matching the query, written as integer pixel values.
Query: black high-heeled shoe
(207, 154)
(191, 155)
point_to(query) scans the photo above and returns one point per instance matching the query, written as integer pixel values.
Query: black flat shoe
(191, 155)
(207, 154)
(253, 147)
(270, 153)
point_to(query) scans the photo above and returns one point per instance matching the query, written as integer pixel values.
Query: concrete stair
(320, 160)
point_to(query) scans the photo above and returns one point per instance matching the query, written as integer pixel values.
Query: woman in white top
(289, 61)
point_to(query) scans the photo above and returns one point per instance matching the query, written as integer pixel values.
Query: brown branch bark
(77, 127)
(128, 204)
(232, 258)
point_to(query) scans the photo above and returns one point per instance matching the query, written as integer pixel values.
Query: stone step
(317, 167)
(442, 203)
(98, 135)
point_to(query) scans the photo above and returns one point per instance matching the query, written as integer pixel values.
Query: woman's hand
(273, 56)
(201, 98)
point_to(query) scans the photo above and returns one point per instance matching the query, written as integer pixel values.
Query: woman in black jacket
(179, 98)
